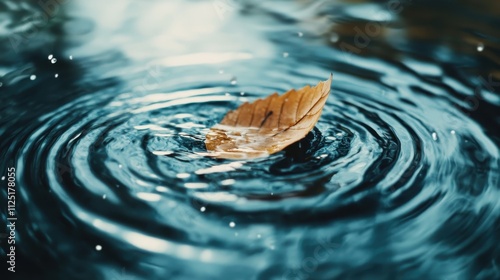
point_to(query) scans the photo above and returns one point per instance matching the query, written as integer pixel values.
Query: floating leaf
(268, 125)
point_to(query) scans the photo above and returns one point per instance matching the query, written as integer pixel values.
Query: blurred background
(105, 106)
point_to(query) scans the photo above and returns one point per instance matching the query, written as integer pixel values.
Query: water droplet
(53, 60)
(221, 71)
(196, 185)
(120, 166)
(104, 196)
(285, 54)
(98, 247)
(172, 204)
(480, 47)
(182, 175)
(202, 209)
(56, 75)
(32, 77)
(434, 136)
(50, 56)
(227, 182)
(70, 57)
(453, 132)
(233, 81)
(232, 224)
(334, 38)
(3, 178)
(300, 34)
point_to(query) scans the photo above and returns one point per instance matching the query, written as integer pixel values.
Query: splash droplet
(182, 175)
(98, 247)
(434, 136)
(285, 54)
(56, 75)
(104, 196)
(232, 224)
(227, 182)
(202, 209)
(32, 77)
(453, 132)
(233, 81)
(120, 166)
(480, 47)
(1, 84)
(3, 178)
(70, 57)
(300, 34)
(334, 38)
(50, 56)
(53, 60)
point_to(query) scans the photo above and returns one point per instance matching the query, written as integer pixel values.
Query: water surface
(105, 107)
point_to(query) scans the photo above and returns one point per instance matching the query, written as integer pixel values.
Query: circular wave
(129, 171)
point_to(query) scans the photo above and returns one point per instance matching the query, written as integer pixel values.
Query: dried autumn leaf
(268, 125)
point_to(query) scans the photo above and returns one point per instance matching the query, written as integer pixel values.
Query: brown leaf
(268, 125)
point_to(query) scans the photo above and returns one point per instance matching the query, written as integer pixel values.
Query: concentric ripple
(130, 171)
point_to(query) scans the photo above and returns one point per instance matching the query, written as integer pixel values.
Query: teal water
(105, 107)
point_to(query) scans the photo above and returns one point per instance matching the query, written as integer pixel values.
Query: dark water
(105, 105)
